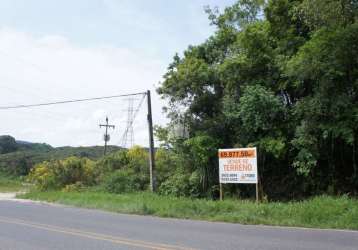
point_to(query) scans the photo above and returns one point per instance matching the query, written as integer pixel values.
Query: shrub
(139, 164)
(111, 162)
(133, 162)
(43, 177)
(59, 174)
(74, 169)
(138, 159)
(165, 162)
(122, 181)
(181, 184)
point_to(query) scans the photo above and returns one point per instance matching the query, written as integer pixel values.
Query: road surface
(26, 225)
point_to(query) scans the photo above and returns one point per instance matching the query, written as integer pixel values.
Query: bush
(181, 184)
(122, 181)
(59, 174)
(138, 159)
(43, 177)
(111, 162)
(132, 163)
(165, 163)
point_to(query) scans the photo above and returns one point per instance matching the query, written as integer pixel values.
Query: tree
(285, 82)
(7, 144)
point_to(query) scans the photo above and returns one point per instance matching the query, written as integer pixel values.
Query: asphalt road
(39, 226)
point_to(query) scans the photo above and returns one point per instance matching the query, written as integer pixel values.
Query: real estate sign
(238, 165)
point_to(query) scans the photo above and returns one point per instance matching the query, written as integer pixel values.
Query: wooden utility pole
(151, 145)
(106, 136)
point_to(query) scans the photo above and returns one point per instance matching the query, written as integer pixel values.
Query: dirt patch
(7, 196)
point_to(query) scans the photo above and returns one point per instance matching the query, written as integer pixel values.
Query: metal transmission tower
(152, 170)
(106, 136)
(128, 136)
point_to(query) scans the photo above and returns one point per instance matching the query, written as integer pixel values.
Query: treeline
(281, 75)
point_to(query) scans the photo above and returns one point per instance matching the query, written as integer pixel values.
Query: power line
(67, 101)
(27, 93)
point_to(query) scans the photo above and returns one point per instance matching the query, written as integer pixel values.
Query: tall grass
(9, 183)
(318, 212)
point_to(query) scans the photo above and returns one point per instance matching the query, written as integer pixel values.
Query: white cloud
(37, 69)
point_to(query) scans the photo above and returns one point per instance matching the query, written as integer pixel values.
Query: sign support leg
(221, 191)
(257, 192)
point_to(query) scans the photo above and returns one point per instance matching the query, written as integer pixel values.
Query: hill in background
(18, 157)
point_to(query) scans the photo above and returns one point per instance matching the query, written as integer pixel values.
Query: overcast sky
(62, 49)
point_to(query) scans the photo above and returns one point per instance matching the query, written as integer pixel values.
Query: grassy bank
(319, 212)
(10, 184)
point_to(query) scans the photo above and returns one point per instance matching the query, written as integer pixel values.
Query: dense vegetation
(281, 75)
(18, 157)
(74, 169)
(122, 171)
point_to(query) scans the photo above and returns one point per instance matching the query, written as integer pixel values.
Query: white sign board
(238, 165)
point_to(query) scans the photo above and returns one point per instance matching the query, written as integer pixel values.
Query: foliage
(122, 181)
(201, 150)
(7, 144)
(61, 173)
(166, 163)
(181, 184)
(110, 163)
(124, 171)
(259, 110)
(318, 13)
(285, 82)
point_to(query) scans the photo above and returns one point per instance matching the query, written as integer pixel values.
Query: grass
(318, 212)
(10, 184)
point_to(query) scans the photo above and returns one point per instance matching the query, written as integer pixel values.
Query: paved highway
(28, 225)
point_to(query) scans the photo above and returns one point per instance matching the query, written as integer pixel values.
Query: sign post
(238, 165)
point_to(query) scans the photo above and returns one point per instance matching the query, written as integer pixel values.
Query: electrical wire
(68, 101)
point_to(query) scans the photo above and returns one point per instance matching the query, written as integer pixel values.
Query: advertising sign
(238, 165)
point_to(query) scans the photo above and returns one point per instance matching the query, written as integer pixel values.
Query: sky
(53, 50)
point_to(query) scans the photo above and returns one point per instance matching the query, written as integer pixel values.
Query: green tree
(7, 144)
(285, 82)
